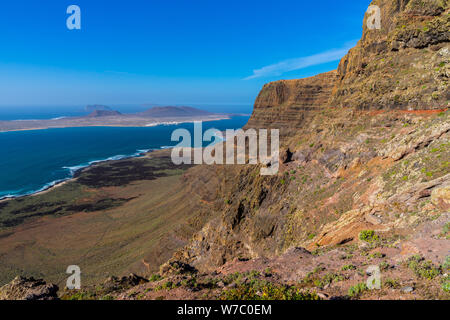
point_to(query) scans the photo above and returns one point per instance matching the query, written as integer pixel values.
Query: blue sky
(188, 52)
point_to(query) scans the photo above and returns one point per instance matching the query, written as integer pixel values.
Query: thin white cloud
(279, 68)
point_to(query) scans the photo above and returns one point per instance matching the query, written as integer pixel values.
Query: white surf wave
(72, 170)
(19, 193)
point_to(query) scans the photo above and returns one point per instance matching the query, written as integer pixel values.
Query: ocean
(34, 160)
(45, 112)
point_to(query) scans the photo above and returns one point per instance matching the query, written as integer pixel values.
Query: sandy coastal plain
(122, 120)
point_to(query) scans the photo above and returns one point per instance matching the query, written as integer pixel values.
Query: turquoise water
(32, 161)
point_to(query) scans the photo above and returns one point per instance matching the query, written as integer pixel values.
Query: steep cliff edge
(402, 65)
(286, 104)
(369, 144)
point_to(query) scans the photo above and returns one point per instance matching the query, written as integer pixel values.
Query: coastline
(72, 177)
(78, 168)
(42, 191)
(141, 124)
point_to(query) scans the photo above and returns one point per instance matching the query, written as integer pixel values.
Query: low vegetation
(368, 236)
(357, 290)
(263, 290)
(423, 268)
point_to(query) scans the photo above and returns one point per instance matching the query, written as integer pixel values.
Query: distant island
(95, 107)
(104, 116)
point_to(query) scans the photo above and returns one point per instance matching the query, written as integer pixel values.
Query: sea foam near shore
(34, 161)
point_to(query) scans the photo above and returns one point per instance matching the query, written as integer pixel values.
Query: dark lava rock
(114, 283)
(176, 267)
(286, 156)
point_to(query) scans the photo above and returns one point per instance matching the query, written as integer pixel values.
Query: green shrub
(421, 268)
(313, 278)
(328, 279)
(81, 295)
(368, 236)
(446, 264)
(391, 283)
(155, 277)
(384, 266)
(254, 274)
(357, 290)
(192, 283)
(263, 290)
(445, 285)
(445, 230)
(348, 267)
(168, 285)
(376, 255)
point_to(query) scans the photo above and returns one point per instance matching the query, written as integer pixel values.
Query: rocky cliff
(286, 104)
(364, 152)
(402, 65)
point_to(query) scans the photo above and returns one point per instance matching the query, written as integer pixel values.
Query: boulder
(22, 288)
(176, 267)
(441, 197)
(286, 156)
(114, 283)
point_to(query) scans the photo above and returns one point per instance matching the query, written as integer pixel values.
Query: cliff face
(350, 171)
(403, 65)
(363, 141)
(285, 104)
